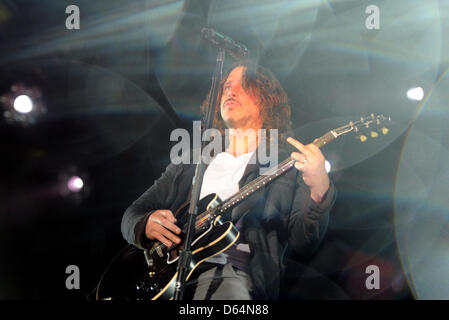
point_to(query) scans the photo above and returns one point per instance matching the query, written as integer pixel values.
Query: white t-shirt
(222, 177)
(223, 174)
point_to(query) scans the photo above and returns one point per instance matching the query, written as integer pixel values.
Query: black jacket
(284, 214)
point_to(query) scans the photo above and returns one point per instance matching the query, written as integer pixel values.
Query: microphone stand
(185, 256)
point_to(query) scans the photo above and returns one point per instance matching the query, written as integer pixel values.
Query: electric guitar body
(153, 275)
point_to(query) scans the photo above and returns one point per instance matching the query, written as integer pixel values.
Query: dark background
(136, 70)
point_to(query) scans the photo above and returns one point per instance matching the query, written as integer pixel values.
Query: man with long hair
(292, 211)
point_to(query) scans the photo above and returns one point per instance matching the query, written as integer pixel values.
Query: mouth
(230, 102)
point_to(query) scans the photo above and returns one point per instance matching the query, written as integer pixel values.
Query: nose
(230, 93)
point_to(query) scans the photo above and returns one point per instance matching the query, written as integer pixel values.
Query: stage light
(75, 184)
(327, 165)
(23, 104)
(415, 94)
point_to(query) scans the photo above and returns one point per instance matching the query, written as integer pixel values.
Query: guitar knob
(384, 131)
(146, 287)
(140, 286)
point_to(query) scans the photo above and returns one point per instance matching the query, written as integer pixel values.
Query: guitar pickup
(159, 251)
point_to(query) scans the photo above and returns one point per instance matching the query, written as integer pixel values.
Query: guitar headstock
(372, 123)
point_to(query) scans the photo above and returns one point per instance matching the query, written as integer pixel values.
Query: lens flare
(75, 184)
(415, 94)
(23, 104)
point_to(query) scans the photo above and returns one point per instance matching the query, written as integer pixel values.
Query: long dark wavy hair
(272, 99)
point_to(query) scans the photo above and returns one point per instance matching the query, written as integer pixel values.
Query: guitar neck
(271, 175)
(260, 182)
(325, 139)
(250, 188)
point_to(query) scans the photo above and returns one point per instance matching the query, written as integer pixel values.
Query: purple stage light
(75, 184)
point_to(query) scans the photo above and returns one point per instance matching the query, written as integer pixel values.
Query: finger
(166, 222)
(163, 239)
(170, 226)
(167, 234)
(314, 148)
(298, 156)
(300, 166)
(155, 235)
(298, 145)
(168, 215)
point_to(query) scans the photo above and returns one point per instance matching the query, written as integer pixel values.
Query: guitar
(151, 274)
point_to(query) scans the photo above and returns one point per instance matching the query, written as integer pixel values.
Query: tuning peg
(374, 134)
(385, 130)
(362, 138)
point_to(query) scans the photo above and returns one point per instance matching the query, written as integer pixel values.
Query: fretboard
(270, 175)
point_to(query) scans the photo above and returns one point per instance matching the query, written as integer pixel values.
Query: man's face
(239, 109)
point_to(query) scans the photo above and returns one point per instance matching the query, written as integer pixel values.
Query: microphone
(235, 49)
